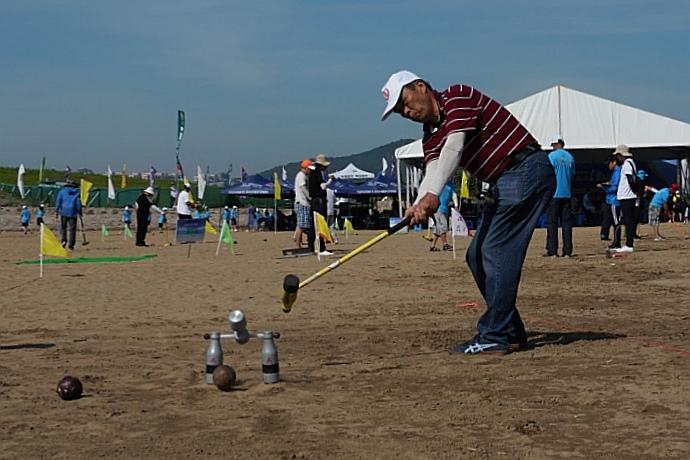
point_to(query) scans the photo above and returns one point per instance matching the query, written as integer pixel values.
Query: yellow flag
(210, 228)
(50, 246)
(85, 187)
(123, 177)
(322, 228)
(348, 227)
(276, 187)
(464, 187)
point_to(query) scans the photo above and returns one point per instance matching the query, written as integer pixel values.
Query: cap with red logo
(393, 88)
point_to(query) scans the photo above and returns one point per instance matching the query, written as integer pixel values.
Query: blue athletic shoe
(477, 345)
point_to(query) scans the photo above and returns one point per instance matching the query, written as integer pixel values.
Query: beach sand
(363, 354)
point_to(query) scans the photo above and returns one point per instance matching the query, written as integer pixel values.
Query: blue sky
(90, 83)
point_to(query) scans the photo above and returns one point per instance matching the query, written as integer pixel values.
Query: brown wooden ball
(224, 377)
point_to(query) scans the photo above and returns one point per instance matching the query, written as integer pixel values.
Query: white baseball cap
(393, 88)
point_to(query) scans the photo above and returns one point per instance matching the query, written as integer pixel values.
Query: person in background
(173, 195)
(226, 216)
(25, 218)
(627, 196)
(40, 214)
(678, 206)
(330, 207)
(127, 217)
(560, 205)
(441, 219)
(318, 184)
(656, 206)
(641, 202)
(234, 215)
(611, 207)
(185, 204)
(162, 220)
(144, 204)
(67, 209)
(252, 222)
(303, 207)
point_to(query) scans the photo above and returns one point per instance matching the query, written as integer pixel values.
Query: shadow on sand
(536, 339)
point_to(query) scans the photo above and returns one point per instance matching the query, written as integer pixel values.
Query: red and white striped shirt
(492, 133)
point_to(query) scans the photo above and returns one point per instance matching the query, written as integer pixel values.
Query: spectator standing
(303, 206)
(184, 204)
(25, 218)
(559, 207)
(627, 196)
(318, 184)
(252, 223)
(611, 207)
(234, 215)
(68, 208)
(144, 204)
(40, 214)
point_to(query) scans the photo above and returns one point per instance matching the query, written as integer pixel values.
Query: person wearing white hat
(25, 218)
(162, 220)
(144, 204)
(185, 204)
(627, 196)
(464, 127)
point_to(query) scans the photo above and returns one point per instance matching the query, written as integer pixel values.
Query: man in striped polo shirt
(465, 128)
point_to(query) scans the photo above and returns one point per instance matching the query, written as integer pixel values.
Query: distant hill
(368, 161)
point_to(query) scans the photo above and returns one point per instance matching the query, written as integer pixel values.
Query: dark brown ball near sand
(69, 388)
(224, 377)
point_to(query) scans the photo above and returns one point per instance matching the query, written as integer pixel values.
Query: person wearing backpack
(627, 195)
(67, 208)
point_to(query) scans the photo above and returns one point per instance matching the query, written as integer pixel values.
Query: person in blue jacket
(25, 218)
(162, 219)
(656, 207)
(611, 208)
(67, 209)
(40, 214)
(441, 219)
(127, 217)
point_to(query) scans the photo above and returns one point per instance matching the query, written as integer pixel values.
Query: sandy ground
(363, 354)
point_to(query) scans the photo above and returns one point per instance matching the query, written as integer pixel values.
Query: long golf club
(83, 233)
(292, 284)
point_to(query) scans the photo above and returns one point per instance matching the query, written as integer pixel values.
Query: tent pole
(397, 167)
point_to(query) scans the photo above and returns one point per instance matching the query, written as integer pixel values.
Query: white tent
(591, 128)
(352, 172)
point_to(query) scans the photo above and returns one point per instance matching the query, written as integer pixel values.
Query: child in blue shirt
(24, 218)
(127, 217)
(656, 206)
(40, 214)
(162, 220)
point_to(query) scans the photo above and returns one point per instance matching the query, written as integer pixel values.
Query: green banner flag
(180, 125)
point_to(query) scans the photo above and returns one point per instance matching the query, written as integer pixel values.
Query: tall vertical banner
(123, 176)
(20, 179)
(277, 192)
(201, 182)
(111, 187)
(40, 171)
(180, 134)
(152, 177)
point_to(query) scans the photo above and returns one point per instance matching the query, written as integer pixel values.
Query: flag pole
(220, 239)
(275, 215)
(317, 241)
(40, 255)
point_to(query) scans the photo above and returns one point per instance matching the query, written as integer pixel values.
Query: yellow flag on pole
(464, 187)
(123, 176)
(85, 187)
(50, 245)
(276, 187)
(210, 228)
(347, 225)
(322, 229)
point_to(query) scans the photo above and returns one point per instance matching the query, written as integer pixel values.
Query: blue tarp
(257, 185)
(379, 185)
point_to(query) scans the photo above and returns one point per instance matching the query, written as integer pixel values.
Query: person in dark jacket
(317, 192)
(144, 204)
(67, 209)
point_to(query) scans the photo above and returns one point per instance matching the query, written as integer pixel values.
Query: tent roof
(590, 125)
(353, 172)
